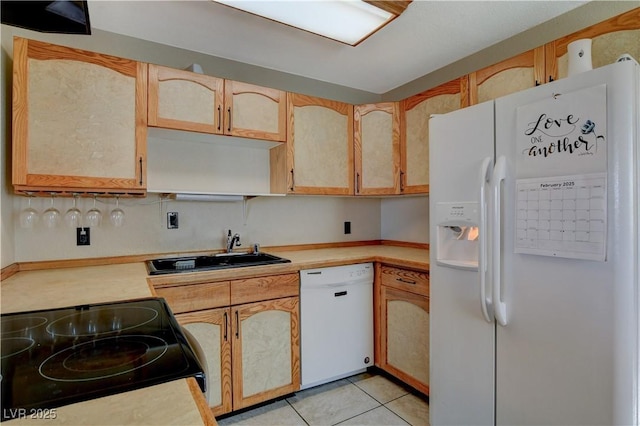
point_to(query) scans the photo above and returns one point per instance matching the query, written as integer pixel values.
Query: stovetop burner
(102, 321)
(14, 345)
(20, 324)
(103, 358)
(62, 356)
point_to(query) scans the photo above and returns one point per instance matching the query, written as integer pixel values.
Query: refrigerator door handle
(499, 175)
(485, 302)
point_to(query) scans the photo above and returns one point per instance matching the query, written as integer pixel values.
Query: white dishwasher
(336, 310)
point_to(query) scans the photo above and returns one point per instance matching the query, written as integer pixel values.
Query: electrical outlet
(347, 227)
(172, 220)
(83, 236)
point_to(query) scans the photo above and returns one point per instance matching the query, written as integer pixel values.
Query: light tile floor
(364, 399)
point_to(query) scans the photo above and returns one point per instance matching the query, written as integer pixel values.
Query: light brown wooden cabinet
(249, 330)
(79, 120)
(377, 148)
(211, 329)
(266, 350)
(414, 136)
(403, 323)
(319, 150)
(510, 76)
(185, 100)
(609, 40)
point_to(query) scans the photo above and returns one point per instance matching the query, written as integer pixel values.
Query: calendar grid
(562, 216)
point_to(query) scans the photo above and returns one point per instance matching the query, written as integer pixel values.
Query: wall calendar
(562, 214)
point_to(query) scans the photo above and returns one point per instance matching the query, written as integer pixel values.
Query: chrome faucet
(232, 241)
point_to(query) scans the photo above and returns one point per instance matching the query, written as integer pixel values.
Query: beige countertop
(169, 403)
(407, 257)
(166, 404)
(58, 288)
(400, 256)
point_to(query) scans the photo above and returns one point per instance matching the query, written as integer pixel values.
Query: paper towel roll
(579, 56)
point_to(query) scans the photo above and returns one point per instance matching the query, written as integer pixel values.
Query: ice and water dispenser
(457, 241)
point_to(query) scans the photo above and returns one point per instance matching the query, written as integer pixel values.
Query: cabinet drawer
(264, 288)
(405, 279)
(196, 297)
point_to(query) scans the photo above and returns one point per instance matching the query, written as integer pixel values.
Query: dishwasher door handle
(304, 285)
(340, 293)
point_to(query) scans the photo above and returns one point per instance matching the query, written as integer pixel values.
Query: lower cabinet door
(211, 329)
(266, 350)
(404, 334)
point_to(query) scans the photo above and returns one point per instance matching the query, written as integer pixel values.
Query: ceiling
(427, 36)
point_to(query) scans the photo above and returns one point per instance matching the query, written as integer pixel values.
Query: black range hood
(59, 16)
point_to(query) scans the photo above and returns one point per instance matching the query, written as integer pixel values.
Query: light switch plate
(347, 227)
(172, 220)
(83, 236)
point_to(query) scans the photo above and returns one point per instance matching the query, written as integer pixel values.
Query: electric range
(52, 358)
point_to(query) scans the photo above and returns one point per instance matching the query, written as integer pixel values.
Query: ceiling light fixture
(347, 21)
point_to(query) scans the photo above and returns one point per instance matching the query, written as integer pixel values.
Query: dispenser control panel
(457, 212)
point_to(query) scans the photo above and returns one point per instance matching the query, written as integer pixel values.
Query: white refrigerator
(534, 221)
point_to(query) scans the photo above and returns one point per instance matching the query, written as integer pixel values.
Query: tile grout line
(296, 411)
(383, 404)
(353, 417)
(380, 402)
(398, 414)
(373, 398)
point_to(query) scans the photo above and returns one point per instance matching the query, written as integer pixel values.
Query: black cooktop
(57, 357)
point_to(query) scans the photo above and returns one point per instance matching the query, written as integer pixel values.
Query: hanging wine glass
(73, 216)
(51, 216)
(117, 214)
(29, 216)
(94, 215)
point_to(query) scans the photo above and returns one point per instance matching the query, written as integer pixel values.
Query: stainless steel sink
(211, 263)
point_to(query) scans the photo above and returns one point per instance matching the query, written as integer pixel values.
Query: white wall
(405, 219)
(269, 221)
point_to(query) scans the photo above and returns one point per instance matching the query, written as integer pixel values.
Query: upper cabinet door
(185, 100)
(255, 112)
(512, 75)
(320, 146)
(414, 128)
(79, 120)
(377, 148)
(609, 40)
